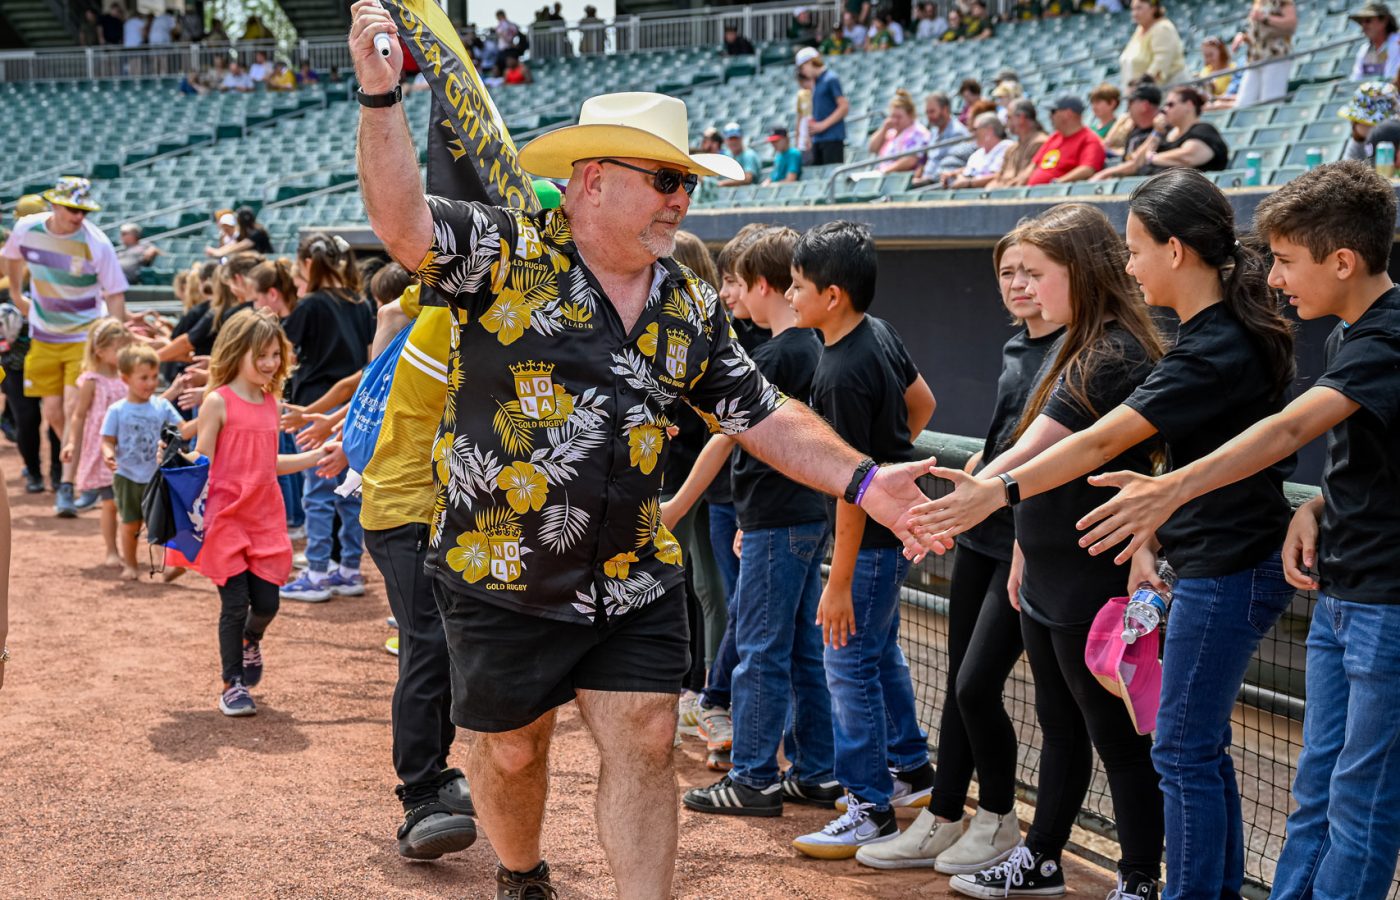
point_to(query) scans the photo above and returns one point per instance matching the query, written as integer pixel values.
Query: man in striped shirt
(74, 279)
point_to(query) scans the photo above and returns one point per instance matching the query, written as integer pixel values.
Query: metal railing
(164, 60)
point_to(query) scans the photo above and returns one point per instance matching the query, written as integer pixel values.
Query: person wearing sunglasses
(76, 279)
(579, 341)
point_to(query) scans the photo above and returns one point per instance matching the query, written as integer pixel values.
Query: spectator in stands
(133, 31)
(1055, 9)
(162, 28)
(1373, 112)
(986, 161)
(787, 159)
(192, 84)
(1004, 94)
(803, 30)
(594, 37)
(860, 10)
(969, 92)
(1269, 33)
(507, 33)
(307, 75)
(261, 69)
(1221, 90)
(734, 148)
(942, 128)
(1379, 57)
(1144, 104)
(227, 224)
(835, 44)
(89, 30)
(249, 235)
(978, 25)
(212, 78)
(735, 44)
(852, 30)
(1073, 152)
(515, 71)
(1018, 161)
(829, 109)
(192, 23)
(281, 78)
(1024, 11)
(134, 253)
(236, 80)
(900, 132)
(955, 30)
(1154, 49)
(928, 23)
(110, 25)
(804, 116)
(880, 37)
(1180, 139)
(1103, 102)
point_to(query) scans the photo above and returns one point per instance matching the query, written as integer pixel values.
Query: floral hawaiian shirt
(549, 457)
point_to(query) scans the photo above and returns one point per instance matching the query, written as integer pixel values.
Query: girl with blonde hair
(99, 386)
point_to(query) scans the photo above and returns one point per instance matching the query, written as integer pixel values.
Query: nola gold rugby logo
(677, 352)
(504, 543)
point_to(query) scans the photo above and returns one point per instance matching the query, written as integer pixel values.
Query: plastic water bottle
(1148, 606)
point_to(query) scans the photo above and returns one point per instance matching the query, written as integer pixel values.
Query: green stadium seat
(1251, 117)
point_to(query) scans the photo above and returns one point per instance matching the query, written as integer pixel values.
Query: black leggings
(984, 642)
(28, 416)
(249, 604)
(1077, 713)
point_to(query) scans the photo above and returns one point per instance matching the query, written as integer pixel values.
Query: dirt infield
(120, 778)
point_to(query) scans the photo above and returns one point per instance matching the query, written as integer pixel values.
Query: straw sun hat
(637, 125)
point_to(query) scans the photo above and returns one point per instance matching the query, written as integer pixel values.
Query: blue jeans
(1215, 627)
(1344, 836)
(780, 669)
(321, 504)
(872, 696)
(724, 523)
(291, 484)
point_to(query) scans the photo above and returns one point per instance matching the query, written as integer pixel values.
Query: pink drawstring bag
(1131, 671)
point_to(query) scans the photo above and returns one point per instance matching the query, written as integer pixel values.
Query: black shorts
(508, 668)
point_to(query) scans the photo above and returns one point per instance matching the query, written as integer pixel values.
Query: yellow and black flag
(470, 153)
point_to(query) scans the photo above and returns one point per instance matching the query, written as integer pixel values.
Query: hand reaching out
(892, 494)
(970, 502)
(1142, 506)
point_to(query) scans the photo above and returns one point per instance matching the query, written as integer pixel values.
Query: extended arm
(1190, 155)
(707, 465)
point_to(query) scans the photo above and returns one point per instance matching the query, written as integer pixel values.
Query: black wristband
(1013, 490)
(862, 469)
(379, 101)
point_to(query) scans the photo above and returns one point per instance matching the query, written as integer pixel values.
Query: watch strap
(858, 477)
(1013, 490)
(379, 101)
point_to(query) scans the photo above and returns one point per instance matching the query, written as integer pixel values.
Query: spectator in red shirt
(1073, 152)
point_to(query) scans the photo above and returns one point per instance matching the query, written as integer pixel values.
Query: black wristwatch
(862, 469)
(1013, 490)
(379, 101)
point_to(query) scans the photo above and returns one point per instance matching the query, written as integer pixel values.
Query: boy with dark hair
(867, 387)
(774, 608)
(1331, 232)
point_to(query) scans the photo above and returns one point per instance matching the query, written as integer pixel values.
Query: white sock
(317, 577)
(347, 572)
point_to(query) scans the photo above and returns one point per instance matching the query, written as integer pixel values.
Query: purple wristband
(865, 483)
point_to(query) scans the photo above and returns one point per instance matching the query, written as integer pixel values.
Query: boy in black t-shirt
(1331, 232)
(867, 387)
(783, 527)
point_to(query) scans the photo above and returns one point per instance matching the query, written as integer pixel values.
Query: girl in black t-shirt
(1231, 366)
(1074, 271)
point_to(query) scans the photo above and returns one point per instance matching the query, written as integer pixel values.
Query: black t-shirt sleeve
(261, 242)
(1365, 369)
(295, 325)
(1110, 378)
(852, 414)
(1184, 390)
(731, 394)
(202, 329)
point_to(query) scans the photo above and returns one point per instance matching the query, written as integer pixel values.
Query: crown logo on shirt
(677, 351)
(534, 387)
(504, 542)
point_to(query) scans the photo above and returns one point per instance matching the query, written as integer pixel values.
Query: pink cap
(1131, 671)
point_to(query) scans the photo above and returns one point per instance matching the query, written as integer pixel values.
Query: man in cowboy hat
(75, 279)
(1373, 112)
(578, 339)
(1379, 58)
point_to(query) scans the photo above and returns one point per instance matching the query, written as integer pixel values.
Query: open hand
(892, 493)
(293, 417)
(332, 461)
(970, 502)
(317, 431)
(836, 616)
(1142, 506)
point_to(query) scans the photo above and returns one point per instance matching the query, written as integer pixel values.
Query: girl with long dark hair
(1232, 366)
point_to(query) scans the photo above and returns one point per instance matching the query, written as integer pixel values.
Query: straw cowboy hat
(72, 192)
(640, 125)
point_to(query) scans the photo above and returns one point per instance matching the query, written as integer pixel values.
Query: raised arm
(384, 154)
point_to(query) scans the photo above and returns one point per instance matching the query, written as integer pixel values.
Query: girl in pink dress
(99, 386)
(246, 551)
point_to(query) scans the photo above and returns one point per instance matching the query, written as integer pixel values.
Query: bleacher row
(293, 155)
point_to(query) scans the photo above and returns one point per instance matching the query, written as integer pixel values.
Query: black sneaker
(823, 795)
(1025, 874)
(531, 885)
(430, 830)
(1134, 886)
(33, 482)
(729, 798)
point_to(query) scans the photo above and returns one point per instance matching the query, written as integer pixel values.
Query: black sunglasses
(666, 181)
(74, 210)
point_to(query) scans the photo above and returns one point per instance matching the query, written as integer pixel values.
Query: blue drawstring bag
(366, 413)
(188, 487)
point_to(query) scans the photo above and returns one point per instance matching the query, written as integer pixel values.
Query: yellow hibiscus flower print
(647, 342)
(644, 446)
(508, 317)
(524, 486)
(668, 549)
(471, 556)
(441, 448)
(619, 565)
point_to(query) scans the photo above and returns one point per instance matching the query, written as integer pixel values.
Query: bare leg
(109, 532)
(509, 775)
(636, 806)
(56, 411)
(129, 532)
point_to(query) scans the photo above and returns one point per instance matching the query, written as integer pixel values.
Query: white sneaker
(689, 709)
(902, 797)
(917, 848)
(988, 840)
(858, 827)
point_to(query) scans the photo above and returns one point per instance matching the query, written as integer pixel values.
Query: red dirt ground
(120, 778)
